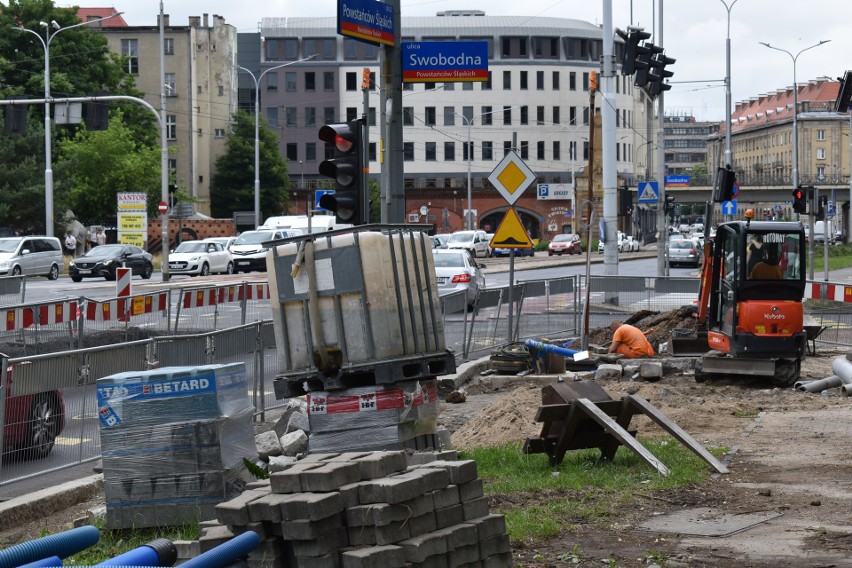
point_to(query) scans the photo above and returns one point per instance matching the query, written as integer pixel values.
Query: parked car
(248, 250)
(684, 251)
(440, 241)
(30, 256)
(518, 251)
(226, 241)
(629, 244)
(32, 422)
(456, 270)
(568, 243)
(619, 244)
(200, 258)
(102, 262)
(476, 242)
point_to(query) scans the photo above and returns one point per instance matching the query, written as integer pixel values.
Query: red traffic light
(342, 136)
(798, 194)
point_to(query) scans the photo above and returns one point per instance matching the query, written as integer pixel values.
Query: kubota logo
(774, 316)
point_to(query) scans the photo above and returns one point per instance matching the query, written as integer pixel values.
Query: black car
(102, 262)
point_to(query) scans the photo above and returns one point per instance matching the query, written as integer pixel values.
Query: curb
(43, 503)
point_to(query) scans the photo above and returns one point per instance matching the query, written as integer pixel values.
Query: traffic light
(633, 37)
(97, 113)
(657, 74)
(726, 181)
(821, 207)
(344, 155)
(625, 202)
(844, 95)
(670, 204)
(16, 118)
(800, 202)
(643, 63)
(172, 191)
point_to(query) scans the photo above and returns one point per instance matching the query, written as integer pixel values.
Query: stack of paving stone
(381, 509)
(400, 415)
(173, 442)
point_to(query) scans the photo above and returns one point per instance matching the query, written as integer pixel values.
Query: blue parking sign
(543, 190)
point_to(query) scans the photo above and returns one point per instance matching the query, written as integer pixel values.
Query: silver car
(457, 271)
(684, 251)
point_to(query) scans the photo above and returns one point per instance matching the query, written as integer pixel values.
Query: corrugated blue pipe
(226, 552)
(62, 544)
(52, 561)
(159, 552)
(550, 348)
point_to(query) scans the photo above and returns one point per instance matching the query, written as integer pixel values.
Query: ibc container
(376, 298)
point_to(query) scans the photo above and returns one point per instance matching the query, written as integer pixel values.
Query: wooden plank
(567, 430)
(624, 416)
(676, 431)
(611, 426)
(558, 412)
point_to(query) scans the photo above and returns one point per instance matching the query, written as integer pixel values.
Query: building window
(467, 151)
(292, 151)
(539, 115)
(290, 116)
(272, 116)
(507, 146)
(328, 115)
(351, 81)
(556, 115)
(507, 115)
(487, 151)
(171, 127)
(272, 81)
(525, 115)
(555, 80)
(430, 116)
(507, 80)
(168, 46)
(572, 81)
(328, 81)
(311, 152)
(310, 81)
(524, 84)
(219, 132)
(290, 81)
(449, 116)
(572, 115)
(467, 86)
(371, 152)
(310, 116)
(486, 85)
(220, 90)
(585, 81)
(431, 152)
(449, 151)
(171, 85)
(525, 150)
(586, 150)
(371, 116)
(467, 114)
(408, 151)
(820, 134)
(820, 153)
(557, 151)
(408, 116)
(449, 86)
(539, 80)
(585, 116)
(487, 114)
(429, 87)
(539, 150)
(130, 50)
(351, 114)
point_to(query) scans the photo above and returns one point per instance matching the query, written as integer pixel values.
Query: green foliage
(232, 186)
(375, 202)
(254, 469)
(95, 166)
(115, 542)
(22, 182)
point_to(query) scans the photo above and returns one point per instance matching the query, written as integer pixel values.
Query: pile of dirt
(657, 326)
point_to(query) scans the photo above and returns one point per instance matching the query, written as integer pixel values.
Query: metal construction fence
(12, 290)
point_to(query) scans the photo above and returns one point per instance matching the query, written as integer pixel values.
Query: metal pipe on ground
(822, 384)
(842, 367)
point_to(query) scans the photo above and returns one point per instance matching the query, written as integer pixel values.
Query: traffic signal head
(658, 73)
(633, 37)
(344, 165)
(726, 181)
(625, 202)
(821, 207)
(16, 118)
(800, 202)
(844, 95)
(97, 113)
(670, 203)
(643, 63)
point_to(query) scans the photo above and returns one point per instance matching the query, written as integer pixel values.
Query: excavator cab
(755, 286)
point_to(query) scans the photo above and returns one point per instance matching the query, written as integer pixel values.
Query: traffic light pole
(662, 244)
(391, 98)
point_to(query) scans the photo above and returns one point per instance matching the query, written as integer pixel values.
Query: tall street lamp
(795, 105)
(48, 159)
(468, 220)
(728, 157)
(256, 80)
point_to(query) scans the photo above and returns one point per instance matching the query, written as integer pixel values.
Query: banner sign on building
(444, 61)
(677, 181)
(555, 191)
(366, 20)
(132, 219)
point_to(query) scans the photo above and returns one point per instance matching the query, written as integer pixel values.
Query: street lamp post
(796, 142)
(468, 218)
(728, 157)
(48, 158)
(256, 80)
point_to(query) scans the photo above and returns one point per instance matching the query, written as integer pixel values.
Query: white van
(319, 223)
(821, 229)
(248, 250)
(30, 256)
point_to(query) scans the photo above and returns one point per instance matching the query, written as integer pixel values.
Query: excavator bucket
(688, 343)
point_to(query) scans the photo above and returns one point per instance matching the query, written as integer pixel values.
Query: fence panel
(829, 306)
(12, 290)
(30, 329)
(179, 350)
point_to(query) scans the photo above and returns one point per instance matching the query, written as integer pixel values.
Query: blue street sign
(649, 192)
(444, 61)
(729, 207)
(318, 194)
(366, 20)
(832, 210)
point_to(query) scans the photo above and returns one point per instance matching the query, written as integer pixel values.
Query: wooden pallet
(582, 415)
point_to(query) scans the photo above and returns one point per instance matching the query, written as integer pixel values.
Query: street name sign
(444, 61)
(366, 20)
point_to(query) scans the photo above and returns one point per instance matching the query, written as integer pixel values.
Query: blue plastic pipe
(159, 552)
(62, 544)
(226, 552)
(52, 561)
(549, 348)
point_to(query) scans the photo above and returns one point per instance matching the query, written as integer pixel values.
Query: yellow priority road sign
(511, 177)
(511, 233)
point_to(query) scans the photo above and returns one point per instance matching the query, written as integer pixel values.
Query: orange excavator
(750, 313)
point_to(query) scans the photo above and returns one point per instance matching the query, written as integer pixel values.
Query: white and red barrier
(224, 294)
(835, 292)
(41, 314)
(117, 308)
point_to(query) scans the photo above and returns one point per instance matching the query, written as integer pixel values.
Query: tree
(22, 180)
(95, 166)
(232, 186)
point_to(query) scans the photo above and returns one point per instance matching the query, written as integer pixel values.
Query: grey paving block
(436, 561)
(422, 524)
(330, 560)
(381, 464)
(289, 480)
(489, 525)
(381, 514)
(259, 484)
(311, 506)
(326, 543)
(349, 494)
(306, 530)
(372, 535)
(494, 545)
(464, 555)
(330, 476)
(418, 548)
(387, 556)
(319, 457)
(267, 508)
(446, 497)
(449, 516)
(402, 487)
(187, 549)
(503, 560)
(213, 537)
(462, 471)
(460, 535)
(235, 511)
(475, 508)
(471, 490)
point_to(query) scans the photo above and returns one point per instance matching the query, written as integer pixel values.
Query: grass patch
(540, 500)
(115, 542)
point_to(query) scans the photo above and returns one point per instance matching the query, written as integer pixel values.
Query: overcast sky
(694, 34)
